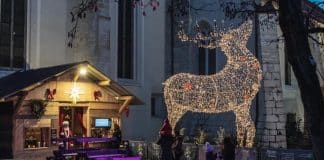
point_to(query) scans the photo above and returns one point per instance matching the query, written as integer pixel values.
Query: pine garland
(37, 107)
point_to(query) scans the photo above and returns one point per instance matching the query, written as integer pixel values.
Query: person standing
(116, 137)
(65, 133)
(209, 151)
(166, 140)
(228, 151)
(177, 145)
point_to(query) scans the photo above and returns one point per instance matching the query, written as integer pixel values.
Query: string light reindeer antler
(205, 39)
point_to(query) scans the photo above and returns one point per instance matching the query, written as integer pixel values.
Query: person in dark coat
(209, 151)
(116, 137)
(228, 151)
(177, 145)
(166, 140)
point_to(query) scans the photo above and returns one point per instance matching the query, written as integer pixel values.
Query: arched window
(125, 39)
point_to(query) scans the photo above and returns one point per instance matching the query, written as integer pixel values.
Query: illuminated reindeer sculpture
(231, 89)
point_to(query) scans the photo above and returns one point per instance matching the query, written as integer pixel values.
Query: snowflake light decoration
(75, 93)
(231, 89)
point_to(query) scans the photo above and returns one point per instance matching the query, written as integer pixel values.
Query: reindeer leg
(245, 127)
(239, 129)
(174, 116)
(250, 127)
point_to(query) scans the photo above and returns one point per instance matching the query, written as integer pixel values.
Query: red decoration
(255, 65)
(243, 59)
(127, 111)
(97, 95)
(246, 96)
(49, 95)
(187, 86)
(166, 128)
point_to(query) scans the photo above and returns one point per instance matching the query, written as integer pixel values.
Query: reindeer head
(233, 42)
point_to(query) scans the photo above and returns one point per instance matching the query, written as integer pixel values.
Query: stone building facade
(158, 54)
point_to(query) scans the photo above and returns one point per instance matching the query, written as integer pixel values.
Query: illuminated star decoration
(75, 93)
(231, 89)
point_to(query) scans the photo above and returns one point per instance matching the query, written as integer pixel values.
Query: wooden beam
(104, 83)
(105, 106)
(127, 100)
(88, 122)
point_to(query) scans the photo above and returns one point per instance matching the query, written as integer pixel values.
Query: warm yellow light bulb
(83, 71)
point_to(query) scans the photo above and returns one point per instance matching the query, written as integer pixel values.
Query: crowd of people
(171, 146)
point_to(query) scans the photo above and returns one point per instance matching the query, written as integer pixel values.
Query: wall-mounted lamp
(83, 71)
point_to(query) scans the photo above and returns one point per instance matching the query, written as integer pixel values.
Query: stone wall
(271, 123)
(92, 42)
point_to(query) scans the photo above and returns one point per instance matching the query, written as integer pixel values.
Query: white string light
(206, 40)
(75, 93)
(231, 89)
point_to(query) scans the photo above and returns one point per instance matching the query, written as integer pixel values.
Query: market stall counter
(91, 153)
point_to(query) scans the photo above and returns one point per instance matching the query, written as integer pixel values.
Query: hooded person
(177, 145)
(166, 141)
(209, 151)
(228, 150)
(117, 136)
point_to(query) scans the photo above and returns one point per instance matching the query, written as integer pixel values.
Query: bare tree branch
(78, 13)
(320, 73)
(315, 40)
(316, 30)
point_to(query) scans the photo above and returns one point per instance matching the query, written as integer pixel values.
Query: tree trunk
(295, 33)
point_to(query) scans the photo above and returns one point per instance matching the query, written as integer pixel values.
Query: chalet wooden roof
(28, 79)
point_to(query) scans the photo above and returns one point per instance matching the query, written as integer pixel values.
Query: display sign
(287, 156)
(53, 135)
(304, 155)
(271, 154)
(102, 122)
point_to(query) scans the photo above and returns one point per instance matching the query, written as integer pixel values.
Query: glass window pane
(36, 137)
(5, 22)
(125, 40)
(19, 38)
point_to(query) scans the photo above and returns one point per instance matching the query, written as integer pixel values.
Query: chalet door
(6, 125)
(75, 117)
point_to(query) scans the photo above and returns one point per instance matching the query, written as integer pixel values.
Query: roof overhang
(98, 77)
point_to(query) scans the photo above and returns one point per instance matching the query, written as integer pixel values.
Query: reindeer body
(231, 89)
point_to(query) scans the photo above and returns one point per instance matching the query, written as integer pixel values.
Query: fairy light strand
(206, 40)
(231, 89)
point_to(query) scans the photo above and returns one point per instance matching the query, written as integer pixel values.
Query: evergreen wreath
(37, 107)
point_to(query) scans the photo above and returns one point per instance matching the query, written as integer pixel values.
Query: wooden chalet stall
(34, 103)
